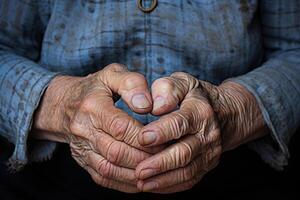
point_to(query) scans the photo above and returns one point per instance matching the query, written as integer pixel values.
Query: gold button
(149, 9)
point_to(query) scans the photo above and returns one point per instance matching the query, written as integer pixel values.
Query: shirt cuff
(272, 85)
(24, 83)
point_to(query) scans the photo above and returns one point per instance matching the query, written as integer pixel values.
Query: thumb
(131, 86)
(168, 92)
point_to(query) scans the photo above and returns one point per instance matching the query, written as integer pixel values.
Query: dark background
(240, 175)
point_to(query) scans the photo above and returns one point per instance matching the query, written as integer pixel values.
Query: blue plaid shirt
(253, 42)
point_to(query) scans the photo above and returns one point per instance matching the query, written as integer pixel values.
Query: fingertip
(159, 102)
(163, 105)
(135, 92)
(141, 103)
(147, 138)
(158, 105)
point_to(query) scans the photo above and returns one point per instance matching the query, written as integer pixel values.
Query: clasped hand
(198, 122)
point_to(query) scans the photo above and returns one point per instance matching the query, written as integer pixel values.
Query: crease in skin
(235, 111)
(109, 155)
(191, 173)
(183, 174)
(234, 117)
(181, 159)
(143, 173)
(183, 127)
(110, 148)
(104, 168)
(189, 149)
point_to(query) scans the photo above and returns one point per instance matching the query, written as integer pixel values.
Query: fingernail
(150, 186)
(149, 138)
(146, 173)
(158, 102)
(140, 101)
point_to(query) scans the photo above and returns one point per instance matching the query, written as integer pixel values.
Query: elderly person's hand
(103, 139)
(210, 120)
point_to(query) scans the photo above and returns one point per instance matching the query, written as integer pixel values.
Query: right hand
(103, 139)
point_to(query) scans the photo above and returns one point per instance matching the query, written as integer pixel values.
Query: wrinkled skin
(103, 138)
(210, 120)
(198, 122)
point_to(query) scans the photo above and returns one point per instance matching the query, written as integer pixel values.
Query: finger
(109, 170)
(97, 115)
(195, 115)
(118, 152)
(131, 86)
(112, 184)
(173, 177)
(168, 92)
(114, 151)
(169, 127)
(85, 157)
(180, 154)
(124, 128)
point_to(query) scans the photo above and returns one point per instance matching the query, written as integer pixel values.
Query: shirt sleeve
(276, 84)
(22, 79)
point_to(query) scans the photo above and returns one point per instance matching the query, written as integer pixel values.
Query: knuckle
(133, 80)
(202, 139)
(215, 135)
(185, 153)
(187, 173)
(164, 84)
(192, 170)
(180, 75)
(218, 150)
(208, 110)
(184, 79)
(118, 128)
(116, 67)
(88, 104)
(114, 152)
(177, 125)
(75, 127)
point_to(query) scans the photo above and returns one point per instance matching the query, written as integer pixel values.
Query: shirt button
(149, 9)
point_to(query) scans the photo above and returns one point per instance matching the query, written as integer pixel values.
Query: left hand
(194, 130)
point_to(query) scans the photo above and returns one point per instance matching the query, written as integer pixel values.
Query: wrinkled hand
(194, 130)
(103, 138)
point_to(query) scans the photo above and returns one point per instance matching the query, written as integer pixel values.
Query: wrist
(238, 114)
(50, 119)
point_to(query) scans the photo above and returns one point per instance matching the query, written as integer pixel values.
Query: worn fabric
(255, 43)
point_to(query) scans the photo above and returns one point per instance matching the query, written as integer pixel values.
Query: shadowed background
(240, 175)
